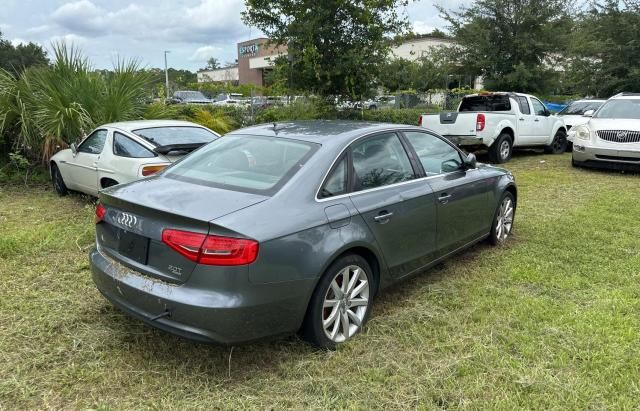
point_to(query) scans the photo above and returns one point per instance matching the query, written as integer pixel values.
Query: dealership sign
(248, 50)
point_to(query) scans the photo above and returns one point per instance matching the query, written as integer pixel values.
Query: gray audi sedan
(292, 227)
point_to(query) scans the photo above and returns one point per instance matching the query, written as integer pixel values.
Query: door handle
(521, 118)
(444, 198)
(383, 217)
(536, 120)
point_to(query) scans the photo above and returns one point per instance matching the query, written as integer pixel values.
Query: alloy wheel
(504, 219)
(345, 303)
(505, 149)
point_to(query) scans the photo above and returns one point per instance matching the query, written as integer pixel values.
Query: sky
(192, 30)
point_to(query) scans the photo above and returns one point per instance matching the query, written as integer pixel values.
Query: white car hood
(573, 120)
(596, 124)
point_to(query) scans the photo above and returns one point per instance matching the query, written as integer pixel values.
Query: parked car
(611, 136)
(231, 99)
(296, 226)
(499, 122)
(573, 114)
(118, 153)
(189, 97)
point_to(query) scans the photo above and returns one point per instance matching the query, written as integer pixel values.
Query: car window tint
(436, 156)
(491, 102)
(380, 161)
(123, 146)
(245, 163)
(538, 107)
(524, 105)
(336, 182)
(94, 143)
(168, 135)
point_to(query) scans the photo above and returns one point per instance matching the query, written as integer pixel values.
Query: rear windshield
(164, 136)
(253, 164)
(579, 107)
(494, 102)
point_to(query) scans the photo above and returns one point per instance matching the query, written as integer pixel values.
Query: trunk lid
(138, 213)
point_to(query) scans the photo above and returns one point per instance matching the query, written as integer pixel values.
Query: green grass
(550, 321)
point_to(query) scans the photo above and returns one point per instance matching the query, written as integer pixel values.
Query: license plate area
(133, 246)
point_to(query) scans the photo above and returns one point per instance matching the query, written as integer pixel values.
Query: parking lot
(547, 321)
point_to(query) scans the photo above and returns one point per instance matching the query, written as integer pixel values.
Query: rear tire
(503, 219)
(58, 183)
(559, 143)
(340, 304)
(501, 149)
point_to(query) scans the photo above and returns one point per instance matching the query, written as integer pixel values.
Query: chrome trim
(619, 136)
(399, 129)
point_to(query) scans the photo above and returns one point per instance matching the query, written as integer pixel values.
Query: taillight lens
(480, 122)
(420, 120)
(151, 170)
(211, 249)
(100, 213)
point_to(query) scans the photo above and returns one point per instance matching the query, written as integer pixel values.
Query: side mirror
(74, 148)
(588, 113)
(470, 162)
(547, 113)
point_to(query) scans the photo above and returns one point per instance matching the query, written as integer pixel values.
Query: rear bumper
(587, 155)
(248, 313)
(465, 140)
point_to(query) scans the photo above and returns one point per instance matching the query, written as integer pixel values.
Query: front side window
(94, 143)
(123, 146)
(336, 182)
(244, 163)
(379, 161)
(538, 107)
(435, 155)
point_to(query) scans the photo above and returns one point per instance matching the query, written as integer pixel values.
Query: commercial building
(222, 75)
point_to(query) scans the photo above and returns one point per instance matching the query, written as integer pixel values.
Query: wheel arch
(373, 258)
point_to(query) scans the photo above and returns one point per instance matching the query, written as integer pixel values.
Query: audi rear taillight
(420, 121)
(100, 213)
(211, 249)
(151, 170)
(480, 122)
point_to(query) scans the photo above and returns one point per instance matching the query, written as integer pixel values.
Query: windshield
(190, 95)
(493, 102)
(164, 136)
(578, 108)
(620, 108)
(244, 163)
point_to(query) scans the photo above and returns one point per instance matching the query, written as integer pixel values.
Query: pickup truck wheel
(501, 149)
(559, 143)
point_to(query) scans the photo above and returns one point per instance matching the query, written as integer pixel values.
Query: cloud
(69, 38)
(421, 27)
(204, 53)
(81, 16)
(17, 41)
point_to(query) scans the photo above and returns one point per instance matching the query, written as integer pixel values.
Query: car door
(462, 194)
(543, 122)
(526, 133)
(395, 203)
(83, 165)
(125, 160)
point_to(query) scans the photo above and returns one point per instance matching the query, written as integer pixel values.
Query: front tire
(58, 183)
(559, 143)
(340, 304)
(501, 149)
(503, 219)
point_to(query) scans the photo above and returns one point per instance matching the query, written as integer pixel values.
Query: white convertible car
(117, 153)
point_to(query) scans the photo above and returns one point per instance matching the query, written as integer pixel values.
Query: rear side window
(379, 161)
(123, 146)
(523, 104)
(492, 102)
(336, 182)
(94, 143)
(244, 163)
(436, 156)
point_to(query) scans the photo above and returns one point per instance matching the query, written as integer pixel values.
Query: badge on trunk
(129, 222)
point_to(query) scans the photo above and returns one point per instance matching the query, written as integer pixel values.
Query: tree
(509, 42)
(212, 64)
(336, 47)
(604, 56)
(15, 59)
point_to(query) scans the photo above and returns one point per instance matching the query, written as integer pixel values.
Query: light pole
(166, 75)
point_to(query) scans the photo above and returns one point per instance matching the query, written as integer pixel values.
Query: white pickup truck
(499, 122)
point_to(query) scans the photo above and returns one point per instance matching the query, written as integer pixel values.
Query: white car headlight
(583, 133)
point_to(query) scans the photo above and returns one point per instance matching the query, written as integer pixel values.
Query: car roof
(130, 126)
(327, 132)
(626, 95)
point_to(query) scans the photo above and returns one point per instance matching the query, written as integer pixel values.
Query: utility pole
(166, 75)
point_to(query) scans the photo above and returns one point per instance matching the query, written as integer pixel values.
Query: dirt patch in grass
(548, 321)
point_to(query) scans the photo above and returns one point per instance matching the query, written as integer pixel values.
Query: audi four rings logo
(127, 220)
(622, 135)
